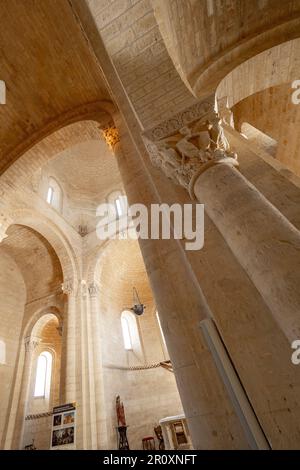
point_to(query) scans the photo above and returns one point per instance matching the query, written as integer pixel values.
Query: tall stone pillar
(265, 243)
(30, 345)
(210, 415)
(95, 339)
(70, 325)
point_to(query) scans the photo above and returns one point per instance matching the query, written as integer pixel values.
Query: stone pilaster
(30, 344)
(95, 338)
(70, 380)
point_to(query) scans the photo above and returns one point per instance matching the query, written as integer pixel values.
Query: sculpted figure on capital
(184, 153)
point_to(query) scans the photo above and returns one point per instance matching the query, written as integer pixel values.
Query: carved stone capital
(111, 136)
(94, 289)
(83, 288)
(31, 342)
(183, 153)
(68, 287)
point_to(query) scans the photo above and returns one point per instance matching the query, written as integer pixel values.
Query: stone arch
(31, 329)
(93, 260)
(275, 66)
(56, 137)
(36, 323)
(52, 233)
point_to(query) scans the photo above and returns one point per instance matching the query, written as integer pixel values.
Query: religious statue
(122, 426)
(120, 412)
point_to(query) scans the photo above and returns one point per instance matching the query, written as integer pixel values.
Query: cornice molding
(196, 112)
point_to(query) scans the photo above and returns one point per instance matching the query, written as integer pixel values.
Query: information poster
(63, 426)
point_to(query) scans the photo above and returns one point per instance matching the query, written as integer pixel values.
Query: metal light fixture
(138, 308)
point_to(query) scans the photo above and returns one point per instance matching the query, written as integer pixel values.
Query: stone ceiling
(87, 171)
(207, 39)
(50, 333)
(48, 69)
(132, 38)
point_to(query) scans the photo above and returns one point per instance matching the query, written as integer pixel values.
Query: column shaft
(70, 380)
(265, 243)
(181, 305)
(95, 338)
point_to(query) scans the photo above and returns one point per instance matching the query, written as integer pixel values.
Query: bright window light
(50, 195)
(43, 375)
(2, 352)
(126, 333)
(119, 207)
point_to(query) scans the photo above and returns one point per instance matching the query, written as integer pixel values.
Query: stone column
(181, 305)
(30, 344)
(265, 243)
(95, 340)
(70, 325)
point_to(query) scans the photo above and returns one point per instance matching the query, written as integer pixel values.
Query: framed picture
(56, 420)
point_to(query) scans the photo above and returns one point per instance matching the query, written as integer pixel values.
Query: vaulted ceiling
(87, 171)
(36, 259)
(48, 69)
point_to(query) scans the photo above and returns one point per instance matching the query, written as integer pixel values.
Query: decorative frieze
(184, 118)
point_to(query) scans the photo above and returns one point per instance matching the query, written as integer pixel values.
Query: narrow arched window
(43, 375)
(54, 195)
(126, 332)
(2, 352)
(119, 207)
(50, 195)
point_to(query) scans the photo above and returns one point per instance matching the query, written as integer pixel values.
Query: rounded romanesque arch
(36, 323)
(54, 235)
(275, 66)
(71, 128)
